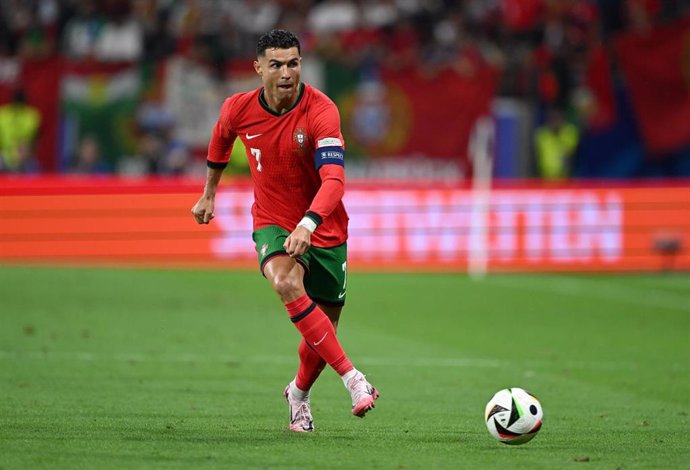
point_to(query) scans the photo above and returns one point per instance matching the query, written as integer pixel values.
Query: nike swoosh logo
(250, 137)
(341, 295)
(316, 343)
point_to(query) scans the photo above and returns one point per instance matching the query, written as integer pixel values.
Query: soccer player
(296, 154)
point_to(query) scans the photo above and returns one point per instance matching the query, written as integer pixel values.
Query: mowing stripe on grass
(602, 289)
(449, 362)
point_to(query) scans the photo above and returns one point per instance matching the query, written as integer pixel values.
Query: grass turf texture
(185, 369)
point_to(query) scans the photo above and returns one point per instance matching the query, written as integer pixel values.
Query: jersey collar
(264, 105)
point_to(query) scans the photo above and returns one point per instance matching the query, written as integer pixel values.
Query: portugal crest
(300, 137)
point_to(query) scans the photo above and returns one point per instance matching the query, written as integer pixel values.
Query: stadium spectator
(88, 159)
(297, 207)
(19, 128)
(152, 153)
(159, 40)
(402, 43)
(255, 16)
(105, 32)
(177, 160)
(642, 14)
(37, 38)
(334, 16)
(555, 143)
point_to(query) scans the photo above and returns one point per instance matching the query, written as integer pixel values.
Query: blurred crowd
(542, 47)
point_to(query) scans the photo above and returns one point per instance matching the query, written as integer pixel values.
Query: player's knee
(286, 286)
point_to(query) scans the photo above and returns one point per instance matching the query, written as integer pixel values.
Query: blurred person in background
(105, 31)
(296, 153)
(19, 128)
(555, 142)
(152, 153)
(177, 160)
(159, 40)
(88, 159)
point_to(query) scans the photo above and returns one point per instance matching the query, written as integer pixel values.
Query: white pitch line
(423, 362)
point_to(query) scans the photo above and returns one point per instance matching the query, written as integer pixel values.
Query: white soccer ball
(513, 416)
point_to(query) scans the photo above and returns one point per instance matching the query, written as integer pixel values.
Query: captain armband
(329, 151)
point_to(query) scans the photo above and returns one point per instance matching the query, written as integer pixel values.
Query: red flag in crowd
(656, 66)
(414, 114)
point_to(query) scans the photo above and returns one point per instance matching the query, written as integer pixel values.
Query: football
(513, 416)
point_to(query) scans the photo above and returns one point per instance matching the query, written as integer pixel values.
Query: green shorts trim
(325, 277)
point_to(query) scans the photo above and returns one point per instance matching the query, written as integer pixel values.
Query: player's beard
(287, 94)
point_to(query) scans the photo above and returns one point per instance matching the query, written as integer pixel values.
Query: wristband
(307, 223)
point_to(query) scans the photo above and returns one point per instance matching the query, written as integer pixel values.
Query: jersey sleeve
(329, 143)
(222, 137)
(330, 193)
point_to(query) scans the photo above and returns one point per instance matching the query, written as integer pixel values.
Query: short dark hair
(277, 38)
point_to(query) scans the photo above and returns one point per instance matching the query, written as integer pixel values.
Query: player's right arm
(203, 209)
(219, 148)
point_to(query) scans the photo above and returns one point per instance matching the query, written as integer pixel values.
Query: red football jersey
(281, 149)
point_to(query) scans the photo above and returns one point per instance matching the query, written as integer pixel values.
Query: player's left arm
(330, 193)
(329, 160)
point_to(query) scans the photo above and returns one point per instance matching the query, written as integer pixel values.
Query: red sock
(310, 366)
(317, 330)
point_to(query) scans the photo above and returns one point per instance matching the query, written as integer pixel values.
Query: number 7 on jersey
(257, 155)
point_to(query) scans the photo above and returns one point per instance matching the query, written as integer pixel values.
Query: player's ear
(257, 67)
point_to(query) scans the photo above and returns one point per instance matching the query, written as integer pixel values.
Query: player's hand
(298, 242)
(203, 209)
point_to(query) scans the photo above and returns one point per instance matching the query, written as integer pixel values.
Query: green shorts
(325, 277)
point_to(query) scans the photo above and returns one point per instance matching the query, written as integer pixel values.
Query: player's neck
(281, 106)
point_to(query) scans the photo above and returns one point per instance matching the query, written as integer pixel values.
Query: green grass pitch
(184, 369)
